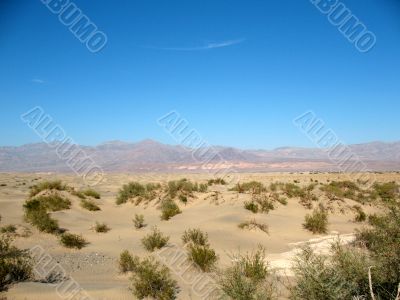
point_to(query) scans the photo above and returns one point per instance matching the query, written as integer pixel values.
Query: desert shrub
(54, 202)
(71, 240)
(127, 262)
(47, 185)
(154, 240)
(169, 209)
(218, 180)
(91, 193)
(138, 221)
(134, 190)
(89, 205)
(360, 216)
(203, 256)
(248, 278)
(292, 190)
(36, 214)
(78, 194)
(253, 224)
(101, 227)
(184, 187)
(382, 239)
(254, 187)
(282, 200)
(8, 229)
(387, 191)
(341, 275)
(153, 280)
(183, 198)
(265, 204)
(195, 236)
(317, 222)
(251, 205)
(15, 264)
(341, 189)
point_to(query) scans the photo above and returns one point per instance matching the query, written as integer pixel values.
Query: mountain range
(152, 156)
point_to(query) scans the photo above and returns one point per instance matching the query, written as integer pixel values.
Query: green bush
(153, 280)
(387, 191)
(195, 236)
(317, 222)
(8, 229)
(78, 194)
(253, 187)
(154, 240)
(91, 193)
(169, 209)
(89, 205)
(220, 181)
(341, 275)
(137, 190)
(248, 278)
(101, 227)
(252, 206)
(71, 240)
(54, 202)
(184, 187)
(35, 214)
(138, 221)
(341, 189)
(360, 216)
(127, 262)
(47, 185)
(203, 256)
(15, 264)
(382, 239)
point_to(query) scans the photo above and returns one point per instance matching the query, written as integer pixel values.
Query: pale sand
(95, 266)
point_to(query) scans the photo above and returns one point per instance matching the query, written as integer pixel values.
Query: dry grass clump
(101, 227)
(253, 224)
(137, 191)
(15, 264)
(195, 236)
(8, 229)
(138, 221)
(89, 205)
(169, 209)
(154, 240)
(248, 278)
(150, 279)
(71, 240)
(47, 185)
(317, 222)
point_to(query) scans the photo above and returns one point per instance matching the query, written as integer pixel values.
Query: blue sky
(238, 71)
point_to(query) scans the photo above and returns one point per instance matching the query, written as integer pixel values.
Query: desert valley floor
(218, 211)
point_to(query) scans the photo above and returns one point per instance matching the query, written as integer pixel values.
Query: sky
(238, 71)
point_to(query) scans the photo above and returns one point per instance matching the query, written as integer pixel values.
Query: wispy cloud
(208, 46)
(37, 80)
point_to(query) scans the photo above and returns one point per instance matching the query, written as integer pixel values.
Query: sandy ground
(94, 268)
